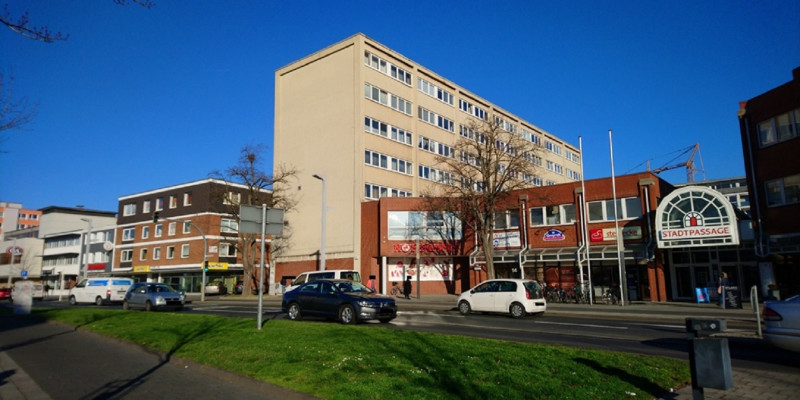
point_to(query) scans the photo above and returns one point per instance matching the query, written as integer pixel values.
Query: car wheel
(294, 312)
(463, 307)
(148, 306)
(125, 305)
(72, 300)
(347, 314)
(517, 310)
(98, 301)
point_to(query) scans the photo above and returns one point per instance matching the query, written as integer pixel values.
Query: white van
(327, 274)
(100, 290)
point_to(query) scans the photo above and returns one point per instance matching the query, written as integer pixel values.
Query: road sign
(250, 220)
(23, 273)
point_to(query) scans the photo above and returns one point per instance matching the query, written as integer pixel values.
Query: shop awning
(500, 256)
(550, 254)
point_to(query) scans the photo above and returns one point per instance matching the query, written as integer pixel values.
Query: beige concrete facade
(321, 103)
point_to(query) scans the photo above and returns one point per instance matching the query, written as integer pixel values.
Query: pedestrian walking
(407, 287)
(723, 281)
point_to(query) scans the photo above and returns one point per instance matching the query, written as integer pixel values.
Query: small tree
(489, 160)
(261, 189)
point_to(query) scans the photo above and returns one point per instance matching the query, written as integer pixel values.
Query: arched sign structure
(696, 216)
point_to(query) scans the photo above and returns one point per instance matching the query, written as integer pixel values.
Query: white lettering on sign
(688, 233)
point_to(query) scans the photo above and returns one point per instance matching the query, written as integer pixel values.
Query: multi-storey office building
(770, 127)
(193, 219)
(364, 122)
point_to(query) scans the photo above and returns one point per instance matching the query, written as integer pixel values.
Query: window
(783, 191)
(156, 253)
(436, 175)
(126, 255)
(159, 230)
(159, 204)
(145, 232)
(383, 97)
(434, 91)
(229, 226)
(388, 131)
(232, 198)
(629, 208)
(173, 201)
(552, 147)
(128, 209)
(471, 109)
(187, 227)
(227, 250)
(780, 128)
(435, 119)
(372, 191)
(185, 251)
(424, 225)
(171, 229)
(387, 68)
(143, 255)
(387, 162)
(128, 233)
(170, 252)
(146, 206)
(507, 219)
(187, 198)
(553, 215)
(434, 147)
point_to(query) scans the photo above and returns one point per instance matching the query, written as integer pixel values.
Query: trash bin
(709, 357)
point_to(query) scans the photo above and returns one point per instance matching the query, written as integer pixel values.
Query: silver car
(153, 296)
(782, 323)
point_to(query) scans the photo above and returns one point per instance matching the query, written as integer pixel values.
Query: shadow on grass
(643, 384)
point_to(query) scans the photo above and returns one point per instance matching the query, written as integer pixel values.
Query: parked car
(99, 290)
(517, 297)
(153, 296)
(782, 323)
(5, 293)
(347, 301)
(216, 287)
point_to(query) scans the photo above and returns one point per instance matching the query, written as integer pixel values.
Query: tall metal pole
(324, 209)
(261, 273)
(585, 227)
(620, 259)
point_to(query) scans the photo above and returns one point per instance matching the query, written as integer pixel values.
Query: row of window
(563, 214)
(472, 109)
(783, 191)
(778, 129)
(434, 119)
(130, 233)
(434, 91)
(387, 67)
(432, 174)
(379, 128)
(434, 147)
(385, 98)
(384, 161)
(130, 208)
(372, 191)
(423, 225)
(126, 255)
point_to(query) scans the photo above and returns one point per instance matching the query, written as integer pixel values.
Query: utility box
(697, 327)
(712, 359)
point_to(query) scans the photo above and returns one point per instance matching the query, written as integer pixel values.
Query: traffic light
(155, 217)
(205, 266)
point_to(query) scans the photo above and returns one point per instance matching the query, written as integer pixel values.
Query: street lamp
(324, 207)
(83, 270)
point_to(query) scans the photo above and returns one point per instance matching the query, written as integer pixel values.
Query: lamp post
(83, 270)
(324, 208)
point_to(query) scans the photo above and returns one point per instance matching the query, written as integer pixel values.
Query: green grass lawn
(334, 361)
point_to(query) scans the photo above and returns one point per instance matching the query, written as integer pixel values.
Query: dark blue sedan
(349, 302)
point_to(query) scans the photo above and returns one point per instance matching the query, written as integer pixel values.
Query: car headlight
(160, 300)
(365, 303)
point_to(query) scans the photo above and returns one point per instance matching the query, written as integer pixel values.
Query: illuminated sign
(139, 269)
(439, 248)
(628, 233)
(696, 216)
(553, 235)
(223, 266)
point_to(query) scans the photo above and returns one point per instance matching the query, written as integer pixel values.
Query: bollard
(709, 358)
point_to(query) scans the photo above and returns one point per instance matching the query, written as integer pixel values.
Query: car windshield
(352, 287)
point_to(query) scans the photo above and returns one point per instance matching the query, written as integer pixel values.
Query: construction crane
(691, 169)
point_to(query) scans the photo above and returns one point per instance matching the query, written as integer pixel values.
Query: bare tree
(22, 24)
(14, 113)
(261, 189)
(489, 160)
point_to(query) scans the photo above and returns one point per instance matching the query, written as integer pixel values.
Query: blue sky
(139, 99)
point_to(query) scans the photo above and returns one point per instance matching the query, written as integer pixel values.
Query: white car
(782, 323)
(517, 297)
